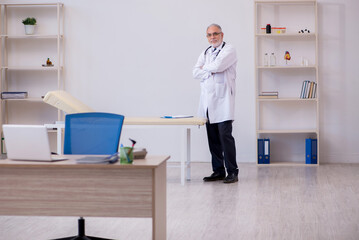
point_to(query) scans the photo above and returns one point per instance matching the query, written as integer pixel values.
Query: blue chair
(91, 133)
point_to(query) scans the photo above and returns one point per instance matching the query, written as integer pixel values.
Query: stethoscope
(205, 52)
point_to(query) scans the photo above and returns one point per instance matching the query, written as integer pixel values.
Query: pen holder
(126, 155)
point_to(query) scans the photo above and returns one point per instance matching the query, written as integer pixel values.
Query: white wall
(339, 51)
(136, 57)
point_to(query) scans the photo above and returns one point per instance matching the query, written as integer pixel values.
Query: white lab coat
(218, 86)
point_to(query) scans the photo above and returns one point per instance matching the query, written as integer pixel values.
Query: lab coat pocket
(221, 90)
(219, 77)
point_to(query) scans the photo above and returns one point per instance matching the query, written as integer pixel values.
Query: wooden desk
(68, 189)
(185, 123)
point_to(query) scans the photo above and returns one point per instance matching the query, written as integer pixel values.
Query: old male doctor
(216, 70)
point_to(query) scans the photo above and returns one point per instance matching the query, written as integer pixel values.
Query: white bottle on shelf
(266, 60)
(272, 60)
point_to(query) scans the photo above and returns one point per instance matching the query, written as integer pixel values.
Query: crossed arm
(224, 60)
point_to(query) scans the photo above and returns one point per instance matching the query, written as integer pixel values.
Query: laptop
(28, 142)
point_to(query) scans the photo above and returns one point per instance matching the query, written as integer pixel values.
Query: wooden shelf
(287, 164)
(283, 35)
(287, 99)
(35, 68)
(22, 57)
(288, 131)
(33, 4)
(281, 2)
(37, 36)
(34, 99)
(274, 116)
(288, 67)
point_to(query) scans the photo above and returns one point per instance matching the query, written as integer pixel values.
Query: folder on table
(177, 116)
(266, 151)
(260, 151)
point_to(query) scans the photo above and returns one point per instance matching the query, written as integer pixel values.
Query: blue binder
(260, 151)
(314, 151)
(311, 151)
(266, 151)
(308, 151)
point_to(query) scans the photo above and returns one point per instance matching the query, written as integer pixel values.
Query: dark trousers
(222, 147)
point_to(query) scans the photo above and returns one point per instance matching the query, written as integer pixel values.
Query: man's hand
(198, 70)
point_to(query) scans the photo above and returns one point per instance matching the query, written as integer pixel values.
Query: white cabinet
(289, 119)
(22, 57)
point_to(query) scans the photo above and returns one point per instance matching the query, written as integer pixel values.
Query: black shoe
(231, 178)
(214, 177)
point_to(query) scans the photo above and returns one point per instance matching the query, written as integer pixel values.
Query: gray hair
(214, 25)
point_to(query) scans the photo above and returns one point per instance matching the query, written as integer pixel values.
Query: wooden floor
(267, 203)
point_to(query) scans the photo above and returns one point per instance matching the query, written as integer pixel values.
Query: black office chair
(90, 134)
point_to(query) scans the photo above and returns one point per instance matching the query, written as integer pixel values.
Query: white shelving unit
(22, 57)
(287, 120)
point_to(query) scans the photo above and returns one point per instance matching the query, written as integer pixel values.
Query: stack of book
(309, 89)
(273, 94)
(13, 95)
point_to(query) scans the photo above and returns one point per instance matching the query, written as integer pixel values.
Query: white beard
(215, 45)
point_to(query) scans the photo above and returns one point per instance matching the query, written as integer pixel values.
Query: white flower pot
(29, 29)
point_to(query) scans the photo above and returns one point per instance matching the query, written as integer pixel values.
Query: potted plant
(29, 25)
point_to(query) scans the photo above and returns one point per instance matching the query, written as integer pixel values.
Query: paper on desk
(98, 159)
(92, 160)
(177, 116)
